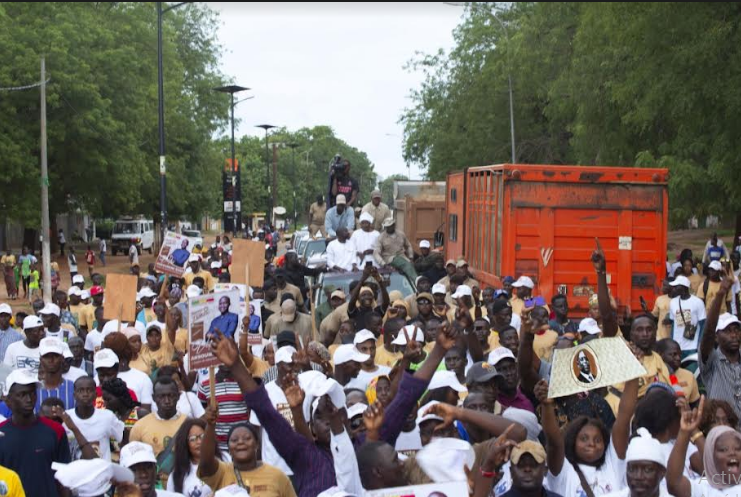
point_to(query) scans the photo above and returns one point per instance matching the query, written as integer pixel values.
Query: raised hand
(224, 348)
(294, 395)
(447, 336)
(413, 349)
(598, 258)
(301, 356)
(445, 411)
(691, 419)
(499, 451)
(541, 392)
(212, 414)
(373, 417)
(728, 279)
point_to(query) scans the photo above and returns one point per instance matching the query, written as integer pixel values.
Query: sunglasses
(195, 438)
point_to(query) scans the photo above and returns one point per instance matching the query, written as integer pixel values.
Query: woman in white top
(187, 453)
(721, 459)
(586, 460)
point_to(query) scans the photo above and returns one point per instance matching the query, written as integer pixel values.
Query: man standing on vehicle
(427, 259)
(317, 211)
(341, 254)
(339, 216)
(343, 184)
(377, 209)
(393, 249)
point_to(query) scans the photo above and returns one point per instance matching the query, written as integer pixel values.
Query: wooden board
(120, 297)
(247, 253)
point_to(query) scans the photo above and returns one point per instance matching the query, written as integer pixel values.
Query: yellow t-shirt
(141, 365)
(156, 432)
(713, 288)
(661, 309)
(544, 344)
(208, 281)
(472, 311)
(689, 384)
(696, 281)
(657, 371)
(293, 290)
(11, 483)
(386, 358)
(264, 481)
(258, 367)
(181, 340)
(157, 358)
(9, 260)
(78, 312)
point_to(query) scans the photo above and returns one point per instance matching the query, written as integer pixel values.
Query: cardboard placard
(595, 364)
(248, 261)
(120, 297)
(449, 489)
(174, 253)
(204, 316)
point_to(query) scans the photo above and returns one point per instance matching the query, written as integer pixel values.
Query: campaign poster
(449, 489)
(174, 254)
(207, 313)
(253, 309)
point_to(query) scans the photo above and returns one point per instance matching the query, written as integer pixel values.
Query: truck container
(419, 209)
(541, 221)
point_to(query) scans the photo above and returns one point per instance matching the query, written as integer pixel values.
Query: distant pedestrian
(103, 249)
(62, 242)
(90, 260)
(8, 263)
(72, 260)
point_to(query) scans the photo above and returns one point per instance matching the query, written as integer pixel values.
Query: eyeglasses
(195, 438)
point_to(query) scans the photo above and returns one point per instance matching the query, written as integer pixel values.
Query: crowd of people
(373, 389)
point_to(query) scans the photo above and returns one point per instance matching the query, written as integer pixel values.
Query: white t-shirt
(72, 259)
(626, 491)
(702, 488)
(693, 310)
(73, 374)
(192, 485)
(18, 356)
(94, 341)
(341, 255)
(188, 405)
(363, 241)
(269, 453)
(99, 429)
(516, 322)
(60, 334)
(167, 493)
(608, 478)
(140, 383)
(134, 254)
(364, 377)
(408, 441)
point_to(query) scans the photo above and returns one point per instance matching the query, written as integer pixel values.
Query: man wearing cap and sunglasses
(377, 209)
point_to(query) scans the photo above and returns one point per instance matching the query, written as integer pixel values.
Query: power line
(27, 87)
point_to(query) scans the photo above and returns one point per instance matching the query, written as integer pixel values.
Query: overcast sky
(334, 64)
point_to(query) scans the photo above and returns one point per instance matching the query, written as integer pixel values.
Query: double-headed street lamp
(233, 222)
(269, 213)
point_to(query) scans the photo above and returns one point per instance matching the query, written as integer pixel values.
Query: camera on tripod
(337, 166)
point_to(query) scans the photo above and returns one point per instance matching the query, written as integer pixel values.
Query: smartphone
(539, 301)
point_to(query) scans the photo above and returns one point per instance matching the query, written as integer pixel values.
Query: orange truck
(541, 221)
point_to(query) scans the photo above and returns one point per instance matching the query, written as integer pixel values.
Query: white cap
(90, 477)
(442, 379)
(357, 409)
(193, 291)
(499, 354)
(67, 353)
(110, 327)
(725, 320)
(73, 290)
(105, 358)
(438, 288)
(146, 292)
(680, 281)
(315, 385)
(78, 278)
(85, 294)
(716, 265)
(5, 309)
(50, 308)
(194, 258)
(348, 352)
(422, 417)
(589, 326)
(523, 281)
(462, 291)
(389, 221)
(445, 459)
(340, 200)
(363, 336)
(20, 377)
(32, 322)
(644, 447)
(366, 217)
(424, 244)
(51, 345)
(232, 491)
(135, 453)
(401, 338)
(216, 265)
(285, 354)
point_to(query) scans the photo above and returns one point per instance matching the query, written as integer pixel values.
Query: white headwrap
(644, 447)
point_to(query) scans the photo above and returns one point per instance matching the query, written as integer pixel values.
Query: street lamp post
(236, 173)
(266, 127)
(293, 146)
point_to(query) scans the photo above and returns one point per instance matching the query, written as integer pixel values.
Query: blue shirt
(65, 392)
(180, 256)
(227, 324)
(334, 221)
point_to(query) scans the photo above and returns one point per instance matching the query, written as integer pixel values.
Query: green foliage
(622, 84)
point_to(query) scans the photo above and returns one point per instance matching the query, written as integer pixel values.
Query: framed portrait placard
(595, 364)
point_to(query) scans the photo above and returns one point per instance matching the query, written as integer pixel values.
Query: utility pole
(274, 190)
(45, 235)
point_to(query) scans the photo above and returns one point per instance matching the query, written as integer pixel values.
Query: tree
(387, 188)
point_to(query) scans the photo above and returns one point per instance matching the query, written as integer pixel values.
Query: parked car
(311, 249)
(195, 235)
(129, 230)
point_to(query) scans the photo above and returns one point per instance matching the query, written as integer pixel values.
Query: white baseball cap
(285, 354)
(67, 353)
(105, 358)
(589, 326)
(348, 352)
(424, 244)
(50, 308)
(725, 320)
(499, 354)
(90, 477)
(5, 309)
(524, 281)
(680, 281)
(438, 288)
(462, 291)
(193, 291)
(340, 200)
(216, 265)
(51, 345)
(85, 294)
(20, 377)
(137, 452)
(73, 290)
(356, 410)
(716, 265)
(110, 327)
(442, 379)
(422, 417)
(194, 258)
(78, 278)
(366, 217)
(401, 338)
(363, 336)
(146, 292)
(32, 322)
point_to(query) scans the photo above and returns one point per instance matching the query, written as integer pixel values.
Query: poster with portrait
(595, 364)
(253, 309)
(207, 313)
(174, 254)
(449, 489)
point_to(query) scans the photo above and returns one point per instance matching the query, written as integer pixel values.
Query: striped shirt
(6, 338)
(232, 409)
(67, 317)
(722, 378)
(65, 392)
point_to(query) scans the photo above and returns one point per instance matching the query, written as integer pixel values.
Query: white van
(128, 230)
